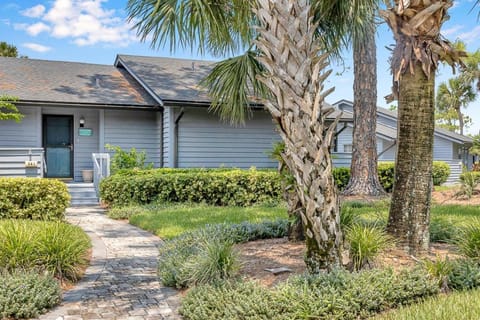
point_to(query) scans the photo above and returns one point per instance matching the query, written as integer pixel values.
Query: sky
(95, 31)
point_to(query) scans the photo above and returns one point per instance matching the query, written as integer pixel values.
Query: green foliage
(120, 213)
(442, 229)
(366, 243)
(27, 294)
(8, 50)
(215, 260)
(469, 180)
(8, 109)
(468, 239)
(56, 247)
(335, 295)
(176, 255)
(475, 149)
(439, 269)
(32, 198)
(170, 220)
(386, 175)
(127, 159)
(440, 172)
(217, 187)
(458, 305)
(341, 175)
(465, 275)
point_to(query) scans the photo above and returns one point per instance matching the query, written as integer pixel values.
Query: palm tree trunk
(363, 169)
(461, 122)
(295, 76)
(410, 207)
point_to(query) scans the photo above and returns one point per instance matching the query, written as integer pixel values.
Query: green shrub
(335, 295)
(33, 198)
(341, 175)
(215, 260)
(442, 229)
(440, 172)
(469, 180)
(175, 254)
(27, 294)
(439, 269)
(468, 239)
(127, 159)
(465, 275)
(366, 243)
(56, 247)
(233, 187)
(386, 175)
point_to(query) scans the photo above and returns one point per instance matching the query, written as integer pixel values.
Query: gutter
(27, 103)
(175, 137)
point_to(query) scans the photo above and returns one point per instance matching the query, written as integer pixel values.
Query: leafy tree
(8, 50)
(418, 49)
(8, 110)
(475, 149)
(452, 96)
(226, 26)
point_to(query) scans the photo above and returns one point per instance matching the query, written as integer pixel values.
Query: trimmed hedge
(27, 294)
(222, 186)
(33, 198)
(217, 187)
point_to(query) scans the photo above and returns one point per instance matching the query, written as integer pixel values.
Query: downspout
(175, 136)
(161, 138)
(390, 147)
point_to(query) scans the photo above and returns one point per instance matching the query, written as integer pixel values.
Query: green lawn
(170, 221)
(458, 305)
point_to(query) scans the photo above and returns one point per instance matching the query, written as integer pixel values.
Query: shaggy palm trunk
(461, 122)
(410, 207)
(295, 76)
(363, 169)
(418, 49)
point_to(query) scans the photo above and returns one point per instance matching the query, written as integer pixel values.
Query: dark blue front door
(58, 145)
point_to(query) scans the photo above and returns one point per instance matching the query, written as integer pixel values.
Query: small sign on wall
(85, 132)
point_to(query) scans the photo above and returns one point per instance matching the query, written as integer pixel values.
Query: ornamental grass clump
(468, 239)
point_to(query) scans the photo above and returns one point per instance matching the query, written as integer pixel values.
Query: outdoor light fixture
(82, 121)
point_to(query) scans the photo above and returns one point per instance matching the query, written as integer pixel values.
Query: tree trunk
(363, 169)
(295, 76)
(410, 208)
(461, 122)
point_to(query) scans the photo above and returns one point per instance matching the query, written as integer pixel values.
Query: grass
(458, 305)
(168, 222)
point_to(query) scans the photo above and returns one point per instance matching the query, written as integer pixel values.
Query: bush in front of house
(51, 246)
(336, 295)
(33, 198)
(183, 260)
(223, 187)
(27, 294)
(440, 172)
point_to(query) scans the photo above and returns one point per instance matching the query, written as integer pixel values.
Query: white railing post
(101, 168)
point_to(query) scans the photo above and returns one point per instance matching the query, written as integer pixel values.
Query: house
(154, 104)
(73, 110)
(449, 146)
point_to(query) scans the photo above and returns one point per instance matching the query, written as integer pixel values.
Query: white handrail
(101, 168)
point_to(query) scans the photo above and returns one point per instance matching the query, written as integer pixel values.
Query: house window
(347, 148)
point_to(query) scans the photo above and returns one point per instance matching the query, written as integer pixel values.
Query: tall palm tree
(418, 49)
(8, 50)
(225, 26)
(455, 95)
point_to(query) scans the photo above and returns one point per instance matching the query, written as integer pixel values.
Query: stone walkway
(121, 282)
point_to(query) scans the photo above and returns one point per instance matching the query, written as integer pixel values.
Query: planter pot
(87, 175)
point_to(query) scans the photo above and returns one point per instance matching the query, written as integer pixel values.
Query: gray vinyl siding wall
(134, 129)
(24, 134)
(443, 149)
(205, 141)
(167, 135)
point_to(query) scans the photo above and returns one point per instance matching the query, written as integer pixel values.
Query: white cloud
(34, 12)
(37, 28)
(452, 31)
(470, 36)
(36, 47)
(5, 21)
(85, 22)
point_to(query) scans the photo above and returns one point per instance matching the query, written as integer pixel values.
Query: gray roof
(393, 114)
(168, 78)
(70, 82)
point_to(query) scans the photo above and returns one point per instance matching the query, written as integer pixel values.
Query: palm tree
(455, 95)
(418, 49)
(8, 50)
(224, 27)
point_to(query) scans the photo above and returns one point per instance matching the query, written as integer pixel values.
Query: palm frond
(233, 87)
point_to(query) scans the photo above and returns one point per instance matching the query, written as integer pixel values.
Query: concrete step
(82, 194)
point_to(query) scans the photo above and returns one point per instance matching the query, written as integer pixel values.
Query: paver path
(121, 282)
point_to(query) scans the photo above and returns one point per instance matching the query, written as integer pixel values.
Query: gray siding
(443, 149)
(390, 154)
(204, 141)
(134, 129)
(22, 134)
(167, 136)
(344, 138)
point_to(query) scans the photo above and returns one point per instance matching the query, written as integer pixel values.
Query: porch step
(82, 194)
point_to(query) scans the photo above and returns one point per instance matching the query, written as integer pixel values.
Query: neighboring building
(154, 104)
(448, 146)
